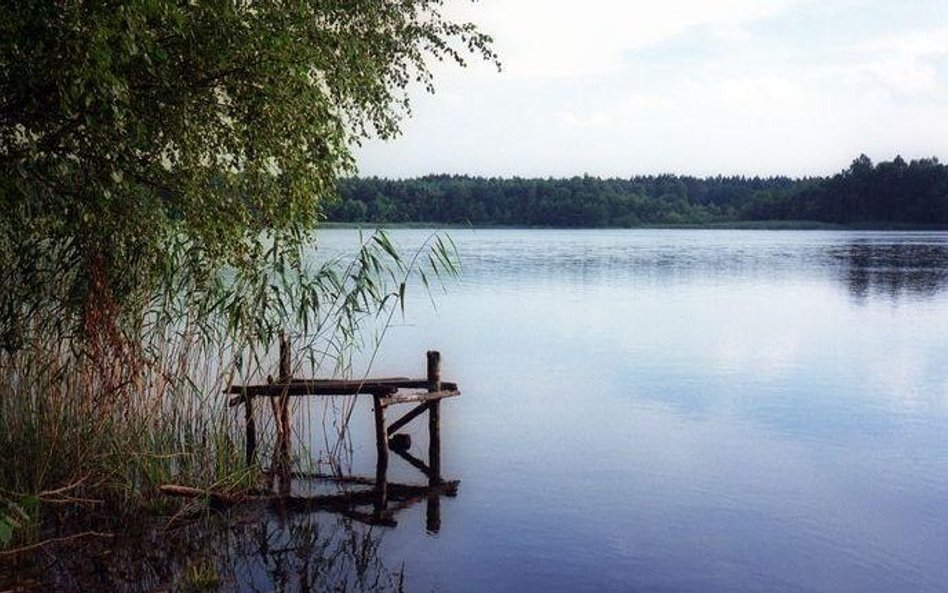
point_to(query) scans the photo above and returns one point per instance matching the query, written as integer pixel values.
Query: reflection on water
(689, 411)
(245, 550)
(303, 532)
(887, 266)
(297, 542)
(892, 271)
(693, 411)
(308, 553)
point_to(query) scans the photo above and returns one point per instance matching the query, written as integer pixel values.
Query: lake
(683, 410)
(642, 410)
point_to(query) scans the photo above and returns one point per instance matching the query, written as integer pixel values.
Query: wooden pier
(426, 395)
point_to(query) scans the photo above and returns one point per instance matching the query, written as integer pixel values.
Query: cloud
(794, 87)
(596, 119)
(542, 39)
(762, 95)
(905, 63)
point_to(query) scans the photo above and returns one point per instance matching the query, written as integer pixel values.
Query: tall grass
(96, 418)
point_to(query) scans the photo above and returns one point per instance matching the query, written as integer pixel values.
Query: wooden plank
(411, 415)
(401, 382)
(423, 396)
(396, 490)
(301, 389)
(298, 387)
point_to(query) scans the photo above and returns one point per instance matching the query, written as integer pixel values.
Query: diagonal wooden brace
(408, 417)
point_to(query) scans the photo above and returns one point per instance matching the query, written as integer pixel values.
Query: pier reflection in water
(293, 541)
(249, 549)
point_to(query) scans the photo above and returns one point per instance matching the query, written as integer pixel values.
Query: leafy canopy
(126, 124)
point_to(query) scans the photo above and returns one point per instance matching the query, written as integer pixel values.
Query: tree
(130, 131)
(162, 165)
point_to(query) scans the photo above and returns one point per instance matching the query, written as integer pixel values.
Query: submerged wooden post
(381, 447)
(433, 507)
(434, 417)
(433, 513)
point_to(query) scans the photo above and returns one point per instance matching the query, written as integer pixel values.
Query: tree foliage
(894, 192)
(162, 166)
(130, 131)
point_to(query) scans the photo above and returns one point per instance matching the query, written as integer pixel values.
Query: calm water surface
(683, 411)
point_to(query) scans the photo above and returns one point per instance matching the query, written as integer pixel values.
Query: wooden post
(433, 513)
(381, 447)
(251, 431)
(286, 369)
(434, 417)
(433, 507)
(283, 409)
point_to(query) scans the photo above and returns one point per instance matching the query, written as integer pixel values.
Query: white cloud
(904, 76)
(903, 62)
(687, 86)
(912, 44)
(763, 95)
(542, 39)
(639, 104)
(595, 119)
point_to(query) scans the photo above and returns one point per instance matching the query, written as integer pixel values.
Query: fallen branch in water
(344, 500)
(56, 540)
(341, 501)
(214, 497)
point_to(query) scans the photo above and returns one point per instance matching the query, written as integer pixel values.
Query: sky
(616, 88)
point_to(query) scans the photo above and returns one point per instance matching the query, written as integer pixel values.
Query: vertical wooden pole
(433, 513)
(434, 416)
(283, 413)
(433, 507)
(381, 447)
(286, 369)
(251, 430)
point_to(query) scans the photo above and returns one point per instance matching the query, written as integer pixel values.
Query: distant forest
(888, 193)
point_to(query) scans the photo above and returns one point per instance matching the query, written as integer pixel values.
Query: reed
(102, 402)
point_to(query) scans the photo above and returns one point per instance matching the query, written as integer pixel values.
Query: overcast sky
(702, 87)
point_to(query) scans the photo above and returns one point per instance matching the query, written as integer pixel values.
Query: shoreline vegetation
(163, 166)
(895, 195)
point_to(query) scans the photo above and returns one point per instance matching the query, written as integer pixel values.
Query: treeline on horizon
(892, 192)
